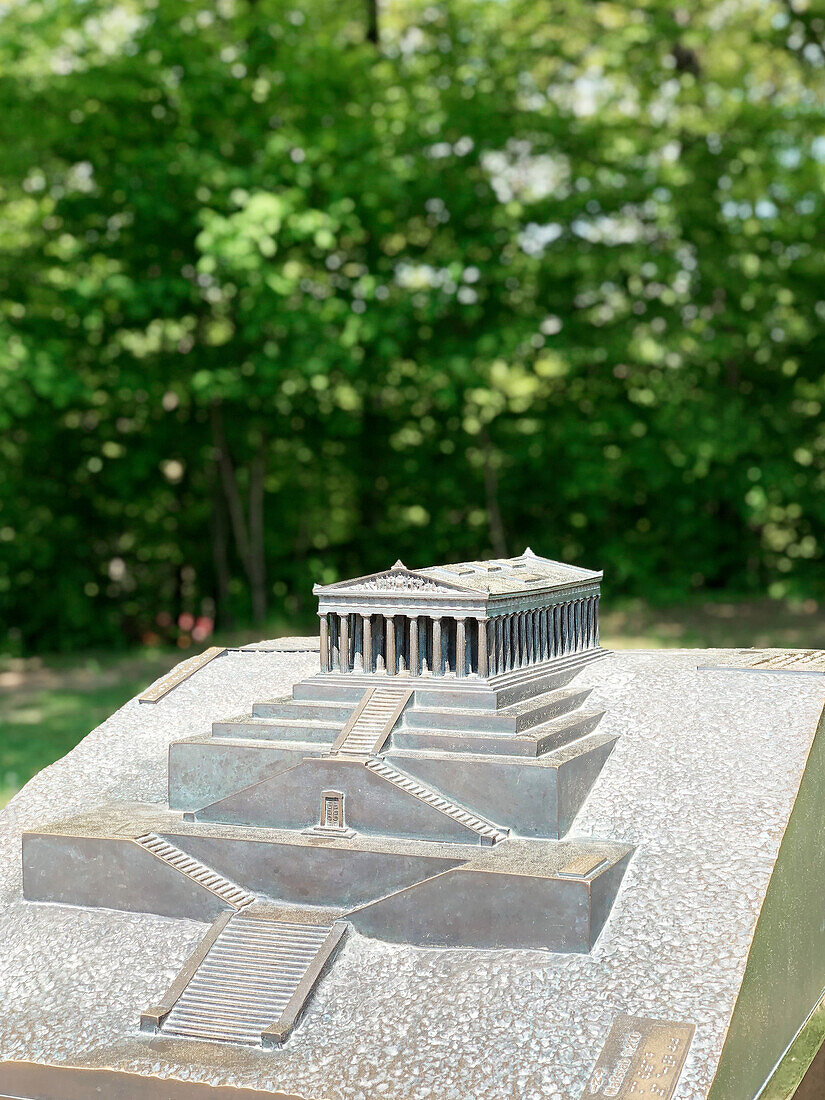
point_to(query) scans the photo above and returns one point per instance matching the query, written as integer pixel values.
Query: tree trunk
(257, 552)
(372, 21)
(220, 559)
(248, 531)
(496, 524)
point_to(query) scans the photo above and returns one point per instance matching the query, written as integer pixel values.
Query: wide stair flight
(372, 722)
(226, 890)
(248, 983)
(487, 832)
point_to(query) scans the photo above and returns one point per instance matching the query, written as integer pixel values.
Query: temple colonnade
(419, 644)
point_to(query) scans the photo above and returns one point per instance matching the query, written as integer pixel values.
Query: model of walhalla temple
(415, 789)
(478, 619)
(448, 848)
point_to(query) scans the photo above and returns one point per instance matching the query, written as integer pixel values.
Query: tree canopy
(289, 291)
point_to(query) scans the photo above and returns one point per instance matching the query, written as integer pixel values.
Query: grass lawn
(46, 707)
(792, 1068)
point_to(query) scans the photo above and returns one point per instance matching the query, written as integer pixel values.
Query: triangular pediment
(397, 579)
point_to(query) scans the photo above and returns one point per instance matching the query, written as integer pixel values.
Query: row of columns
(485, 647)
(530, 637)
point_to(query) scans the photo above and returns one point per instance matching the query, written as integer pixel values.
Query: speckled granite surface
(702, 781)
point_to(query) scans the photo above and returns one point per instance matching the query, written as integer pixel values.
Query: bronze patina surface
(451, 850)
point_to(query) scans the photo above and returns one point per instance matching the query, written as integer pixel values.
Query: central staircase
(253, 982)
(372, 721)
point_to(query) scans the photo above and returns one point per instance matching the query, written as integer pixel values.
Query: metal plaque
(640, 1058)
(583, 866)
(164, 686)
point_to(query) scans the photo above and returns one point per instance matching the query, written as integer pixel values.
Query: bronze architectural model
(422, 790)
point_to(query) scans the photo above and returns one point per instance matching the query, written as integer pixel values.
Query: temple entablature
(477, 618)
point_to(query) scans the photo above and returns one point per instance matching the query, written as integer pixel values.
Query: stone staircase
(486, 831)
(253, 982)
(226, 890)
(372, 721)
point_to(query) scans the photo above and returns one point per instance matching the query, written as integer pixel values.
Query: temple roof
(498, 577)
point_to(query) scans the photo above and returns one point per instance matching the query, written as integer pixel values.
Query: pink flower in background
(203, 628)
(186, 620)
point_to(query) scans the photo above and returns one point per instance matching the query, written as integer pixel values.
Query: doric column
(546, 635)
(580, 624)
(324, 643)
(589, 631)
(343, 642)
(357, 643)
(498, 653)
(483, 647)
(460, 647)
(414, 667)
(367, 636)
(438, 656)
(522, 639)
(389, 645)
(596, 613)
(506, 643)
(380, 662)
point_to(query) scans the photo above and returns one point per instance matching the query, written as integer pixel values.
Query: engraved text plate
(641, 1058)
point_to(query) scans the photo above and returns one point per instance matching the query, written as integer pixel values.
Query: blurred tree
(287, 292)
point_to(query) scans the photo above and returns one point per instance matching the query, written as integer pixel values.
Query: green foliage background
(289, 290)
